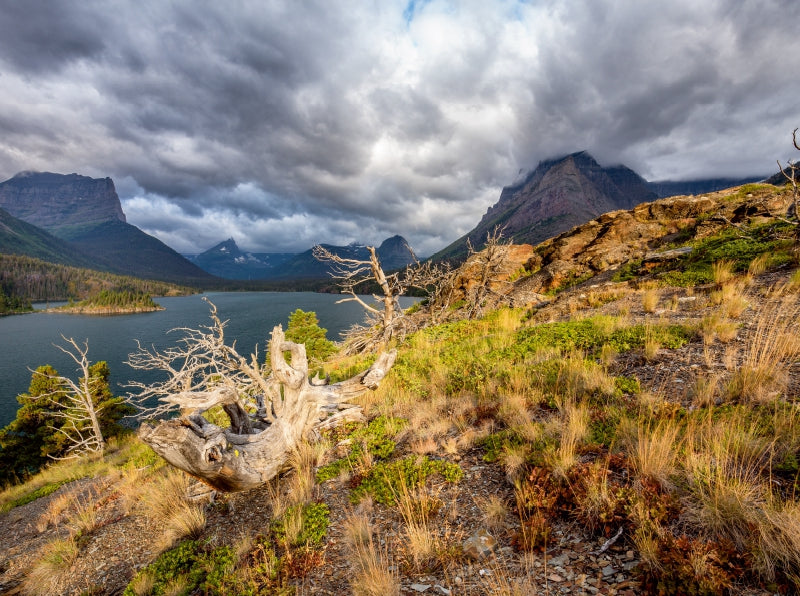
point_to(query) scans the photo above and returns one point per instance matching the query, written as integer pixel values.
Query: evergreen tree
(304, 329)
(29, 439)
(40, 432)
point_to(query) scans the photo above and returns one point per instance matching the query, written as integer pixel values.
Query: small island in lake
(108, 302)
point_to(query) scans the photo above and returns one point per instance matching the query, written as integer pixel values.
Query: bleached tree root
(253, 451)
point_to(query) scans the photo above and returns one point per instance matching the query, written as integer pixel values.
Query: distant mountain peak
(558, 194)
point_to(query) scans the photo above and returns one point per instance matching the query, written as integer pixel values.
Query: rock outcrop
(56, 201)
(524, 275)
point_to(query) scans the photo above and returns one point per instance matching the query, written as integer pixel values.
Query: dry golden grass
(416, 507)
(500, 581)
(574, 426)
(646, 542)
(167, 504)
(55, 510)
(774, 346)
(597, 498)
(608, 354)
(758, 265)
(717, 326)
(651, 344)
(84, 518)
(724, 468)
(143, 583)
(371, 573)
(513, 460)
(303, 461)
(732, 300)
(51, 567)
(176, 587)
(424, 446)
(578, 377)
(494, 512)
(778, 540)
(650, 300)
(513, 410)
(722, 271)
(654, 453)
(705, 390)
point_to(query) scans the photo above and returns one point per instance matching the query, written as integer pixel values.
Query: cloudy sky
(284, 123)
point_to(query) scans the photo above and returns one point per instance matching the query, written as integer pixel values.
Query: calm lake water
(27, 340)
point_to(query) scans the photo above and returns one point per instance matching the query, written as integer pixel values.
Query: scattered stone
(608, 570)
(480, 545)
(668, 255)
(442, 590)
(420, 587)
(630, 565)
(554, 577)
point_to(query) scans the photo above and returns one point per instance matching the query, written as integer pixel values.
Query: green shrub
(386, 480)
(378, 439)
(589, 336)
(315, 518)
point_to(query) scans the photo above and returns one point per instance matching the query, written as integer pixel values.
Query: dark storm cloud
(40, 36)
(285, 123)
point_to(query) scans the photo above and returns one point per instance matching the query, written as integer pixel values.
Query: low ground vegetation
(641, 434)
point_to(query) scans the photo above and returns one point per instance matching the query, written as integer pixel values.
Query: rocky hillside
(642, 237)
(556, 196)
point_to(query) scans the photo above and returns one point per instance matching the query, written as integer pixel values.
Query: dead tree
(76, 407)
(791, 174)
(269, 414)
(352, 273)
(473, 286)
(389, 321)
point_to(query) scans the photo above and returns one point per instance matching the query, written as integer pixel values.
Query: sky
(286, 123)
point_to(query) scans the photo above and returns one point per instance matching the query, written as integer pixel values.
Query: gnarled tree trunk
(254, 449)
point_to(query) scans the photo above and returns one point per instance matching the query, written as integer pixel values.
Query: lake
(28, 340)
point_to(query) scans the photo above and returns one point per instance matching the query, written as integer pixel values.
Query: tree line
(32, 280)
(119, 299)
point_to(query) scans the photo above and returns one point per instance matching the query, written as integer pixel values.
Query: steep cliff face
(58, 201)
(558, 195)
(87, 214)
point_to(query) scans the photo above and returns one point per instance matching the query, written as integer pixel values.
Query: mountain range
(77, 220)
(227, 260)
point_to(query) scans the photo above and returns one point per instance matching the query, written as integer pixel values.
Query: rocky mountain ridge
(57, 201)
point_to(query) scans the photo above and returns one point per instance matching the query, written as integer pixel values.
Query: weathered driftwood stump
(255, 447)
